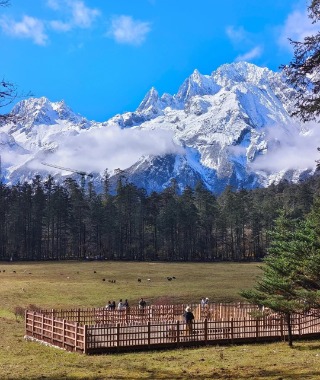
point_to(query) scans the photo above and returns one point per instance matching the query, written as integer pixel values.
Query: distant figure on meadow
(120, 305)
(142, 304)
(113, 305)
(126, 304)
(109, 305)
(189, 317)
(203, 301)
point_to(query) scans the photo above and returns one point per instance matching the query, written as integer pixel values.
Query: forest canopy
(45, 220)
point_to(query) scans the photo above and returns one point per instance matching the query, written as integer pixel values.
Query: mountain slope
(222, 125)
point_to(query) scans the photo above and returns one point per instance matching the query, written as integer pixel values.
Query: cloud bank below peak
(113, 148)
(298, 152)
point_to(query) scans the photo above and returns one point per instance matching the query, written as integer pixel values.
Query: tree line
(46, 220)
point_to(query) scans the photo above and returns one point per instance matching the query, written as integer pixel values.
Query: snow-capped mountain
(222, 125)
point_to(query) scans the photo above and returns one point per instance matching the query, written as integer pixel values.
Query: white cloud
(60, 26)
(126, 30)
(252, 54)
(240, 38)
(82, 16)
(28, 27)
(290, 151)
(77, 13)
(113, 148)
(53, 4)
(236, 35)
(297, 26)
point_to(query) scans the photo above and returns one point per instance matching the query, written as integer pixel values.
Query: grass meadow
(80, 284)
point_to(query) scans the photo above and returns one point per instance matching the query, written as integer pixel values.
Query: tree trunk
(288, 320)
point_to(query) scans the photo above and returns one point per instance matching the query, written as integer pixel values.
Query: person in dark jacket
(189, 317)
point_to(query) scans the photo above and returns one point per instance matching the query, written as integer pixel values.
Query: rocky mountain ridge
(221, 124)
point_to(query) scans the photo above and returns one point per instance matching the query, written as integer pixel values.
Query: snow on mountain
(226, 124)
(40, 122)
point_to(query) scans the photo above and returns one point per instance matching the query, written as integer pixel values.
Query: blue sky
(102, 56)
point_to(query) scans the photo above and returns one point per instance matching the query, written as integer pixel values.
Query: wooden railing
(143, 334)
(57, 332)
(158, 313)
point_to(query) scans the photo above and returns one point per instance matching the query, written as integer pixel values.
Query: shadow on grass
(219, 373)
(307, 346)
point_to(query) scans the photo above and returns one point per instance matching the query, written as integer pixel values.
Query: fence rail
(57, 332)
(143, 333)
(93, 316)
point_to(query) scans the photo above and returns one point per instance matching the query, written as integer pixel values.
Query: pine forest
(45, 220)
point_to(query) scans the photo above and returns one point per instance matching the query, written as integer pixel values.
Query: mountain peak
(43, 111)
(196, 84)
(151, 98)
(242, 71)
(151, 104)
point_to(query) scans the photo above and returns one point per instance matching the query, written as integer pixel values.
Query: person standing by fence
(189, 317)
(142, 305)
(120, 305)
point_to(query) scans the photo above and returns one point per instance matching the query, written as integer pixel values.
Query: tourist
(120, 305)
(189, 317)
(142, 304)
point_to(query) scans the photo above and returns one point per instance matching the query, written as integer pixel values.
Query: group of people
(188, 314)
(122, 305)
(204, 301)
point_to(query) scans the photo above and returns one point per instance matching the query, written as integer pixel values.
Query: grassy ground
(77, 284)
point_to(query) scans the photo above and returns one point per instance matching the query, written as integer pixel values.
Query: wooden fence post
(257, 328)
(75, 336)
(42, 322)
(281, 328)
(64, 333)
(244, 327)
(205, 331)
(231, 330)
(33, 314)
(118, 334)
(85, 339)
(299, 326)
(178, 333)
(26, 321)
(149, 333)
(52, 329)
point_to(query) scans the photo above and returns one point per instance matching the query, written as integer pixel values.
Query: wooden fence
(57, 332)
(155, 313)
(100, 337)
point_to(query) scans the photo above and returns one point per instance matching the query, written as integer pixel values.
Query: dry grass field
(86, 284)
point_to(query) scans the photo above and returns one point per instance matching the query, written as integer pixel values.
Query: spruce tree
(278, 288)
